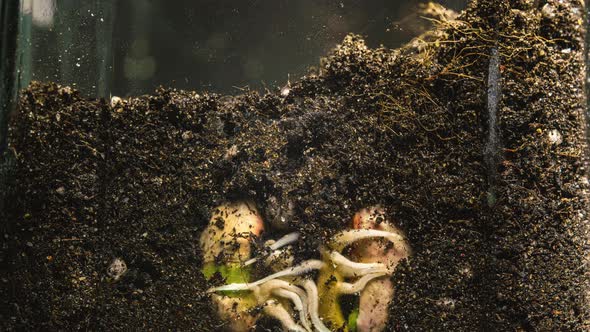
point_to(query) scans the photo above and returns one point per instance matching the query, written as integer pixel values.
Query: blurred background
(130, 47)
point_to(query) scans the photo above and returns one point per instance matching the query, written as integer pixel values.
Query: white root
(299, 303)
(286, 290)
(349, 268)
(313, 304)
(285, 240)
(303, 296)
(280, 259)
(276, 310)
(347, 237)
(351, 288)
(305, 267)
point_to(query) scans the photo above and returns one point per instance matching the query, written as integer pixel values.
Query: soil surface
(491, 192)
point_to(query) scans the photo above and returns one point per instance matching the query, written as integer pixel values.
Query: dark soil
(498, 246)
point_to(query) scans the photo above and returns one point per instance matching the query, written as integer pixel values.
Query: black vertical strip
(492, 146)
(9, 16)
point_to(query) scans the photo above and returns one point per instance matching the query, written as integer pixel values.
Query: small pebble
(115, 101)
(554, 137)
(447, 303)
(548, 11)
(231, 152)
(285, 91)
(187, 135)
(117, 269)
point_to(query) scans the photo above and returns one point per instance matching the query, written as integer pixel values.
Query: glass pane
(70, 42)
(104, 47)
(304, 165)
